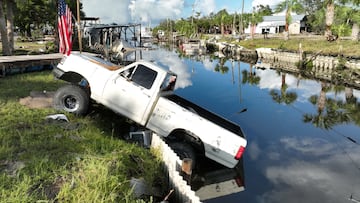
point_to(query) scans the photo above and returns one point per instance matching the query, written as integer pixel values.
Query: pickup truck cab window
(142, 75)
(169, 83)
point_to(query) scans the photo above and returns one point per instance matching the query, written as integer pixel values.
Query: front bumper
(58, 72)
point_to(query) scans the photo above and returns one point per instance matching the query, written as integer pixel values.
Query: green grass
(84, 160)
(341, 47)
(310, 44)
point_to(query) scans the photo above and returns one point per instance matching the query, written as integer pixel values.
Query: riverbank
(84, 159)
(318, 60)
(309, 43)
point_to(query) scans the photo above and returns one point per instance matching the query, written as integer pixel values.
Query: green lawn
(84, 160)
(308, 44)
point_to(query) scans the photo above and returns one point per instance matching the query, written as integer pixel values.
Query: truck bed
(234, 128)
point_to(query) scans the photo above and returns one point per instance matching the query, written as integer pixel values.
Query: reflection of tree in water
(250, 76)
(331, 112)
(220, 67)
(351, 105)
(283, 96)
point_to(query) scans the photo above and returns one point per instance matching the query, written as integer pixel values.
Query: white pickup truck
(142, 92)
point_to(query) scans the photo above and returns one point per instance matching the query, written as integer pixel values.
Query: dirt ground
(38, 99)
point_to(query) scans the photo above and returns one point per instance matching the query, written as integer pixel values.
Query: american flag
(64, 28)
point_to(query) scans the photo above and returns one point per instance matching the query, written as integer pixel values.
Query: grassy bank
(310, 44)
(84, 160)
(342, 47)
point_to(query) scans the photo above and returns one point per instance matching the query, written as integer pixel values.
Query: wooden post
(79, 26)
(186, 169)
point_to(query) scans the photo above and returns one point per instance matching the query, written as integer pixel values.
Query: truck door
(131, 92)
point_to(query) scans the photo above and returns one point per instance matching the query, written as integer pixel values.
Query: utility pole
(241, 19)
(79, 25)
(192, 15)
(234, 26)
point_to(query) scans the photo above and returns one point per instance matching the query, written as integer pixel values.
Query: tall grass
(84, 160)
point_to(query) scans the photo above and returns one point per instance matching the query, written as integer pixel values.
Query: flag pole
(79, 26)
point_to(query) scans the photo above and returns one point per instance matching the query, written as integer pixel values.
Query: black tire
(72, 98)
(184, 150)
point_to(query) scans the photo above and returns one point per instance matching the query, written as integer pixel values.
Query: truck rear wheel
(72, 98)
(184, 150)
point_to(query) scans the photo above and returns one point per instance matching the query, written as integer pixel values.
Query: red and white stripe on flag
(64, 28)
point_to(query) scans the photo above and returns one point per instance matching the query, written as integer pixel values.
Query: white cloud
(205, 7)
(333, 178)
(254, 151)
(171, 61)
(155, 10)
(109, 11)
(145, 11)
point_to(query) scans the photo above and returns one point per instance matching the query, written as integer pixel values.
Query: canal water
(303, 134)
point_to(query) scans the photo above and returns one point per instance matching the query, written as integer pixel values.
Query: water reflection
(331, 112)
(302, 133)
(212, 181)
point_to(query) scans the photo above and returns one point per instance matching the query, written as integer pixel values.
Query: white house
(276, 24)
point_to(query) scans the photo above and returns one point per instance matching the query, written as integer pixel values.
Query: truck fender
(187, 136)
(72, 77)
(76, 78)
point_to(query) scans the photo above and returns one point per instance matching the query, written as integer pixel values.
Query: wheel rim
(71, 103)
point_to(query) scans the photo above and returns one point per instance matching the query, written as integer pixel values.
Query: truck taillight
(239, 152)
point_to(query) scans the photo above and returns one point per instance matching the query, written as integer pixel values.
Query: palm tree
(4, 37)
(289, 6)
(355, 19)
(10, 5)
(255, 18)
(221, 18)
(329, 18)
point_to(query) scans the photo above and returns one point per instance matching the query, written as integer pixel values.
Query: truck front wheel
(72, 98)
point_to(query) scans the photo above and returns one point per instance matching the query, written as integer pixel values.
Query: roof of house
(278, 20)
(282, 18)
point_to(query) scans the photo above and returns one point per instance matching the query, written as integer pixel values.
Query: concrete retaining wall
(324, 67)
(172, 167)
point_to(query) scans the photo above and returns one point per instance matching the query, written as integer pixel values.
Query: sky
(151, 12)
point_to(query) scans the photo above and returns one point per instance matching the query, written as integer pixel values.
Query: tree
(264, 10)
(184, 27)
(10, 4)
(3, 31)
(289, 6)
(354, 18)
(329, 18)
(255, 18)
(315, 15)
(223, 19)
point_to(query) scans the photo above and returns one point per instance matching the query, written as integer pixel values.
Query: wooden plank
(21, 62)
(12, 59)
